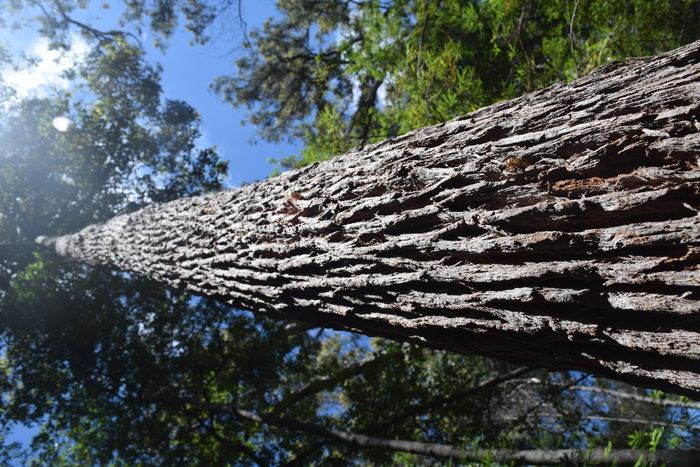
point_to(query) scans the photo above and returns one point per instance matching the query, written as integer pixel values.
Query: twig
(571, 39)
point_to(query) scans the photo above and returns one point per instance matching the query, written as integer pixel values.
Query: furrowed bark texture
(558, 230)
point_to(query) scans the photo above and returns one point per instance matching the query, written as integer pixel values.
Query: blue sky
(187, 73)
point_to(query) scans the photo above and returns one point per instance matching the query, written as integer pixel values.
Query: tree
(338, 73)
(558, 229)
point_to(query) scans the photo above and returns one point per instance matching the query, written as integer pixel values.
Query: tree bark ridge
(558, 230)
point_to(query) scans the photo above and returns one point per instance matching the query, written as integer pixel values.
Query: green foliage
(104, 360)
(123, 149)
(338, 74)
(648, 441)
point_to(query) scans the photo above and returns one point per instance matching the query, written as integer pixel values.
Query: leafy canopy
(336, 74)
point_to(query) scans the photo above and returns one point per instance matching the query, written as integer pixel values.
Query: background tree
(102, 358)
(337, 74)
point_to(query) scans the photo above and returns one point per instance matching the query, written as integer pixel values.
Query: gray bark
(557, 230)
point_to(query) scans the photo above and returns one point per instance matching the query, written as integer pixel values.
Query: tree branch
(101, 36)
(327, 382)
(623, 457)
(441, 401)
(637, 397)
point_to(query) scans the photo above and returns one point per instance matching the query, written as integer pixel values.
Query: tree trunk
(557, 230)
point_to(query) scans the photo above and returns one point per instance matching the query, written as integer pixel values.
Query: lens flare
(61, 124)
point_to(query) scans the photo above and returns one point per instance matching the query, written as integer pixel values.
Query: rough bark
(558, 230)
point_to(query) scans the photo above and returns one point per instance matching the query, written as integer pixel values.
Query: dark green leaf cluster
(108, 364)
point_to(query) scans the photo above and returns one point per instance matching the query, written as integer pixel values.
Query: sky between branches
(187, 72)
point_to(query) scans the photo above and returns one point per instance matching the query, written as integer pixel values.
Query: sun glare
(61, 124)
